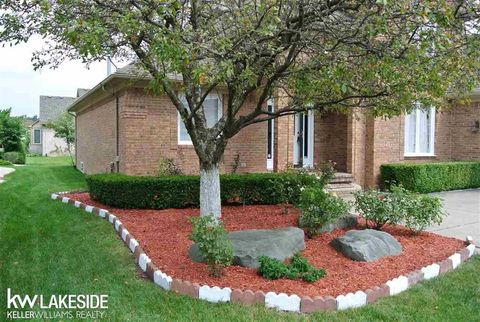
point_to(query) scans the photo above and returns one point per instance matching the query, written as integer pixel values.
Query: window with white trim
(420, 132)
(212, 107)
(37, 136)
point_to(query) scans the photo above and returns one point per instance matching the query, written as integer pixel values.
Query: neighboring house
(43, 140)
(121, 127)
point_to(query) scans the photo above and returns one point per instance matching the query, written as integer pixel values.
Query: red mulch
(163, 234)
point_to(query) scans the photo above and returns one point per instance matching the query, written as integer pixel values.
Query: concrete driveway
(463, 208)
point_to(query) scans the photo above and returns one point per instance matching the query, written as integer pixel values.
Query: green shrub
(5, 162)
(15, 157)
(378, 207)
(431, 177)
(211, 238)
(272, 268)
(298, 268)
(418, 211)
(319, 208)
(124, 191)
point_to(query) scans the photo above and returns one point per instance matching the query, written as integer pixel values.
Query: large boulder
(367, 245)
(248, 245)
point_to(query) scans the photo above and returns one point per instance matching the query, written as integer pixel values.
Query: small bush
(378, 207)
(418, 211)
(431, 177)
(319, 208)
(272, 268)
(211, 238)
(298, 268)
(124, 191)
(168, 167)
(15, 157)
(5, 163)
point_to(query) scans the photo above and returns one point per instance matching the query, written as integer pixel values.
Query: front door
(303, 140)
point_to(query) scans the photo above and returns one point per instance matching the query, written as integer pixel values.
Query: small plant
(327, 172)
(319, 208)
(298, 268)
(272, 268)
(211, 238)
(418, 210)
(168, 167)
(378, 207)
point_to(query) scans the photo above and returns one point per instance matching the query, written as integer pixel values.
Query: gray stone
(346, 221)
(367, 245)
(248, 245)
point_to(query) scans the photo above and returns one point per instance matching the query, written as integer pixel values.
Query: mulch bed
(163, 234)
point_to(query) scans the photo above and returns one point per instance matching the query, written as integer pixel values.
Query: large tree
(323, 55)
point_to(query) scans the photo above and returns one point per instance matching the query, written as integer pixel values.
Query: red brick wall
(384, 143)
(331, 138)
(95, 145)
(149, 133)
(465, 142)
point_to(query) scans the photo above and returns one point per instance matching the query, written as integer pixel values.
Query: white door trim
(308, 159)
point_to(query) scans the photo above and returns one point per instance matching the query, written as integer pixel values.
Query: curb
(280, 301)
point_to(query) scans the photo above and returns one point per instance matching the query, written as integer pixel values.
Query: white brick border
(351, 300)
(431, 271)
(214, 294)
(281, 301)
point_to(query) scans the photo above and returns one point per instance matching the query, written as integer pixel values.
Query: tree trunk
(210, 202)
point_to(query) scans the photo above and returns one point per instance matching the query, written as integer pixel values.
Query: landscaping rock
(248, 245)
(346, 221)
(367, 245)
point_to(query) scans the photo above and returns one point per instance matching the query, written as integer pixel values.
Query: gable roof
(130, 75)
(52, 106)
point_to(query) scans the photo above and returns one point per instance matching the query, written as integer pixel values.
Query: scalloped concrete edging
(280, 301)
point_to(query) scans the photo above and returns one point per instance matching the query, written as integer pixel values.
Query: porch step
(344, 188)
(342, 177)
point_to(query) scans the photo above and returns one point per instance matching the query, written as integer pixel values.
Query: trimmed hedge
(118, 190)
(15, 157)
(432, 177)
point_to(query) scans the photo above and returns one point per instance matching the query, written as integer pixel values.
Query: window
(420, 132)
(37, 137)
(213, 111)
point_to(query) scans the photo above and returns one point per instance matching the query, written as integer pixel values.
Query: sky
(21, 86)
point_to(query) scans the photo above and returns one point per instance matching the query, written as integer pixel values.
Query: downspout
(117, 135)
(116, 163)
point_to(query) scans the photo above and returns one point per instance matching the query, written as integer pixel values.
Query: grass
(47, 247)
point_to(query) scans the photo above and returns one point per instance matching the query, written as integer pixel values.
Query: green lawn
(47, 247)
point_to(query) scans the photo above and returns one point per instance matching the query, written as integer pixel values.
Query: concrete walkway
(4, 172)
(463, 208)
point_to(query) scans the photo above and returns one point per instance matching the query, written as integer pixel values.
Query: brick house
(121, 127)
